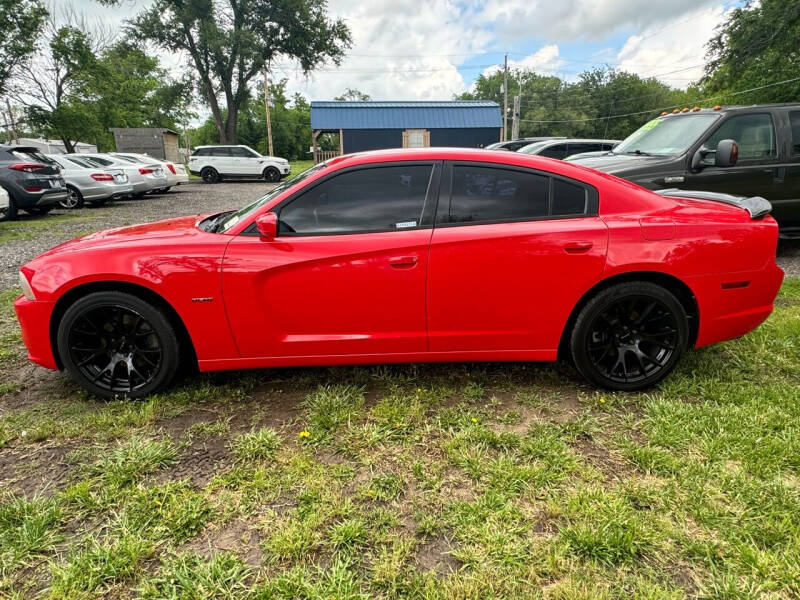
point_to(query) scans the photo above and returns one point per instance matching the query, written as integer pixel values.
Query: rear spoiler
(757, 206)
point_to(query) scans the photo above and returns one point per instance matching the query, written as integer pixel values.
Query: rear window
(34, 157)
(81, 162)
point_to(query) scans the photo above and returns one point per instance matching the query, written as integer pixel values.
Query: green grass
(418, 481)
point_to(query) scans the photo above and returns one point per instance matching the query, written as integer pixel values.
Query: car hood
(182, 228)
(619, 163)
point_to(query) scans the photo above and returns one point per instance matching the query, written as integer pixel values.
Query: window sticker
(405, 224)
(651, 124)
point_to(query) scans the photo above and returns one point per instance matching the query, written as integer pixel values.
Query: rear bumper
(177, 179)
(34, 320)
(733, 304)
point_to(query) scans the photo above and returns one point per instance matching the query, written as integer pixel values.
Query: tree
(352, 95)
(21, 23)
(757, 45)
(231, 41)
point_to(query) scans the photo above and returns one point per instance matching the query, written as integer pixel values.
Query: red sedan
(405, 256)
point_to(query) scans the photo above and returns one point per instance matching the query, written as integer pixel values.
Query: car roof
(222, 146)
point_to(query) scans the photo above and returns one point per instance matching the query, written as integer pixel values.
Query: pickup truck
(741, 150)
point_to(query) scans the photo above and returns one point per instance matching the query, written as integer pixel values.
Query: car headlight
(27, 291)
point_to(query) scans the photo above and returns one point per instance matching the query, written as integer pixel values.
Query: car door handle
(577, 247)
(403, 262)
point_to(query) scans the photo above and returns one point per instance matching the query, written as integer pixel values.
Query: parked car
(515, 145)
(409, 255)
(32, 182)
(748, 150)
(563, 148)
(176, 173)
(4, 202)
(88, 183)
(143, 178)
(214, 163)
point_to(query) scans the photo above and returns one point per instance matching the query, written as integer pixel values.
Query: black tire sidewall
(80, 199)
(209, 175)
(166, 333)
(599, 303)
(272, 175)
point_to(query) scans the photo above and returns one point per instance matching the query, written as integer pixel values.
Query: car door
(756, 172)
(346, 273)
(512, 252)
(222, 160)
(786, 205)
(243, 162)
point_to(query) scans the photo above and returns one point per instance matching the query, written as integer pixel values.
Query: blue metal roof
(405, 115)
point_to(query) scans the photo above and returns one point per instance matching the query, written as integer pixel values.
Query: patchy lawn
(424, 481)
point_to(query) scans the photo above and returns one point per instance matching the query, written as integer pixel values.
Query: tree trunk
(69, 147)
(230, 124)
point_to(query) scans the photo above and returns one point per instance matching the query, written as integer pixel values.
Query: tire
(73, 200)
(99, 203)
(271, 175)
(629, 336)
(39, 210)
(10, 213)
(116, 344)
(210, 175)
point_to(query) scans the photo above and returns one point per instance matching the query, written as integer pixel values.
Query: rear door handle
(401, 262)
(577, 247)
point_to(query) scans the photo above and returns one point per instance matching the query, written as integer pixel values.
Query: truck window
(754, 133)
(794, 119)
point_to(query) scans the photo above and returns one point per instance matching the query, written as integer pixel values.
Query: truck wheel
(272, 175)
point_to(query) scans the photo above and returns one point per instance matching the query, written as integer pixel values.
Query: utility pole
(266, 108)
(505, 98)
(515, 119)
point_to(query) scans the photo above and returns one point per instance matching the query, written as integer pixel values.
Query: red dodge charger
(403, 256)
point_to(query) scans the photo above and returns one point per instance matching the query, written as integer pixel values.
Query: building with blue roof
(376, 125)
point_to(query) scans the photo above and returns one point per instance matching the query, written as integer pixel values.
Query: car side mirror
(727, 154)
(267, 225)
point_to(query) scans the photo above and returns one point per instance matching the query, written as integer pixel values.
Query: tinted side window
(753, 133)
(569, 199)
(241, 153)
(794, 119)
(376, 199)
(220, 152)
(482, 194)
(557, 151)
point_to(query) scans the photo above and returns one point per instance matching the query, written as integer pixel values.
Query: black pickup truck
(741, 150)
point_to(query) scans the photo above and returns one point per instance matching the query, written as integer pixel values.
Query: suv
(213, 163)
(561, 149)
(743, 150)
(33, 182)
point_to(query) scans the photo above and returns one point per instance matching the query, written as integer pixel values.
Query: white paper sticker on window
(405, 224)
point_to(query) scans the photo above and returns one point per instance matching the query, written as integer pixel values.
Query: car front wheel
(629, 336)
(116, 344)
(272, 175)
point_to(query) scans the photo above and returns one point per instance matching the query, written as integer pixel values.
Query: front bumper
(34, 320)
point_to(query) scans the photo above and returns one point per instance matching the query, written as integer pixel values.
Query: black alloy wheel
(629, 336)
(210, 175)
(272, 175)
(115, 344)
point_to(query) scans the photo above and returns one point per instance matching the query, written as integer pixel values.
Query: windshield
(80, 162)
(234, 217)
(666, 135)
(533, 148)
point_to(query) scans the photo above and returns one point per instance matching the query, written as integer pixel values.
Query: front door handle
(403, 262)
(577, 247)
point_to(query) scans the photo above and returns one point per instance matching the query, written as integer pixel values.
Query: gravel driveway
(22, 240)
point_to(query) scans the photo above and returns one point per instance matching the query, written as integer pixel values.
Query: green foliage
(131, 461)
(21, 23)
(256, 445)
(27, 528)
(191, 577)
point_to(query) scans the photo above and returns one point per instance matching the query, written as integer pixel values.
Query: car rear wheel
(272, 175)
(9, 213)
(629, 336)
(73, 200)
(116, 344)
(210, 175)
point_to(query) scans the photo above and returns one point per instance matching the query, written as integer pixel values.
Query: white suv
(213, 163)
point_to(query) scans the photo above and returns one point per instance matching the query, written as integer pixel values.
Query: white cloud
(674, 52)
(546, 60)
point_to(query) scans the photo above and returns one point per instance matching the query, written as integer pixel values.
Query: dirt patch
(435, 555)
(200, 461)
(235, 536)
(602, 459)
(35, 471)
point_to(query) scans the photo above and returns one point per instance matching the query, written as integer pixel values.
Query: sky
(434, 49)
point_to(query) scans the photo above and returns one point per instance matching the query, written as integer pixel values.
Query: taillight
(33, 190)
(27, 167)
(146, 170)
(171, 167)
(102, 177)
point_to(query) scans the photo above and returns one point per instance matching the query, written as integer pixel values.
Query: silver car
(176, 173)
(88, 183)
(144, 178)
